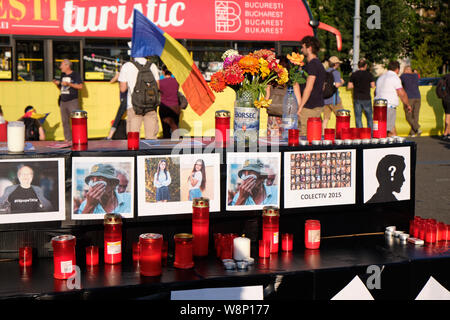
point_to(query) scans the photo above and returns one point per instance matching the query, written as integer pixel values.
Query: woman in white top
(197, 180)
(162, 181)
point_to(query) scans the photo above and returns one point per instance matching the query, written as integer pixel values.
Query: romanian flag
(149, 40)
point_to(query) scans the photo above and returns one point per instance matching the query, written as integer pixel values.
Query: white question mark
(392, 170)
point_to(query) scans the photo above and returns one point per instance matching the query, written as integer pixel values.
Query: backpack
(329, 89)
(443, 87)
(31, 129)
(145, 96)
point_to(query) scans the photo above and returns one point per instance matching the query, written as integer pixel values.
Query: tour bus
(36, 35)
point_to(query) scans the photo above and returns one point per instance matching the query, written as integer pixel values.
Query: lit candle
(112, 238)
(63, 256)
(241, 248)
(200, 226)
(271, 227)
(150, 254)
(92, 256)
(287, 241)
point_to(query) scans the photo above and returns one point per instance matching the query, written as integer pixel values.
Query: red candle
(441, 231)
(293, 135)
(217, 243)
(92, 256)
(63, 256)
(25, 256)
(113, 238)
(4, 132)
(412, 224)
(226, 250)
(271, 227)
(135, 251)
(222, 128)
(287, 241)
(342, 121)
(417, 225)
(380, 118)
(346, 133)
(314, 129)
(430, 232)
(264, 249)
(365, 133)
(312, 234)
(164, 252)
(329, 134)
(422, 226)
(354, 132)
(79, 127)
(183, 251)
(200, 226)
(447, 233)
(133, 140)
(150, 254)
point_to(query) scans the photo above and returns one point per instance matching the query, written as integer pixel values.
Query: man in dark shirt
(361, 81)
(24, 197)
(69, 85)
(312, 102)
(410, 82)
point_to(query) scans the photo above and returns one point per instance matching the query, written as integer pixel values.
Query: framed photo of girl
(169, 183)
(102, 185)
(32, 190)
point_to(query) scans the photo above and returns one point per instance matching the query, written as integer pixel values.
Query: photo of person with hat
(102, 196)
(252, 189)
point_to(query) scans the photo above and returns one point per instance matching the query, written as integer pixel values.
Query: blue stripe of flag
(148, 39)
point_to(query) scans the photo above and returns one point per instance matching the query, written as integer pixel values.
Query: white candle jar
(16, 136)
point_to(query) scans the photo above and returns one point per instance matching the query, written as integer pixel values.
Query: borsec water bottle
(289, 118)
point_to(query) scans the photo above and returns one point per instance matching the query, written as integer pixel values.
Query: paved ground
(433, 178)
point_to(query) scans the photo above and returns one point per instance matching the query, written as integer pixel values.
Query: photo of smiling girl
(162, 181)
(197, 180)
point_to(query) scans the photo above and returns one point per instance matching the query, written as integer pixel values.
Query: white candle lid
(16, 124)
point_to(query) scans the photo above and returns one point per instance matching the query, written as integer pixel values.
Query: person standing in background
(361, 81)
(69, 84)
(410, 82)
(333, 104)
(169, 109)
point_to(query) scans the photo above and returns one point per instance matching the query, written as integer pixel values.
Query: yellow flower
(296, 58)
(264, 67)
(283, 76)
(262, 103)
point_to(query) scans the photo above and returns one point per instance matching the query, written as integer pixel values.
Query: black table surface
(124, 279)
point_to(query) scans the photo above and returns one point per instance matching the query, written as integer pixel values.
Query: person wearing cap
(361, 81)
(33, 128)
(69, 84)
(389, 87)
(102, 196)
(252, 190)
(333, 104)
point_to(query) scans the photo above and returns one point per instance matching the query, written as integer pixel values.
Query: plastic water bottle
(289, 118)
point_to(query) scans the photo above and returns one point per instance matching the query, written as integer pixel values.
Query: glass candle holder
(133, 140)
(63, 256)
(287, 242)
(150, 254)
(222, 128)
(183, 251)
(264, 248)
(441, 230)
(25, 256)
(342, 121)
(430, 232)
(354, 132)
(135, 253)
(271, 227)
(79, 127)
(92, 256)
(293, 136)
(16, 136)
(365, 133)
(4, 131)
(112, 238)
(312, 234)
(226, 250)
(314, 129)
(346, 134)
(329, 134)
(380, 118)
(200, 226)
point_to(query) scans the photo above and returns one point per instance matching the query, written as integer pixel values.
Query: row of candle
(429, 230)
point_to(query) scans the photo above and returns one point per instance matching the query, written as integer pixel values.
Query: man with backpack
(141, 78)
(333, 104)
(312, 103)
(443, 92)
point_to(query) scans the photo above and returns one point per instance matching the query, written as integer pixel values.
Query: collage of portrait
(320, 170)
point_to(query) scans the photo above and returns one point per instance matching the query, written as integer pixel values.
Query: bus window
(30, 60)
(65, 50)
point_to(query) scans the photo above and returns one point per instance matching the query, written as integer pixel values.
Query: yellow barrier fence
(101, 101)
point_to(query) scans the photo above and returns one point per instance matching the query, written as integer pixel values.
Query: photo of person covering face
(102, 185)
(31, 190)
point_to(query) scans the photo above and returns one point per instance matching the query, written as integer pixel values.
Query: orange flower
(217, 82)
(296, 58)
(249, 64)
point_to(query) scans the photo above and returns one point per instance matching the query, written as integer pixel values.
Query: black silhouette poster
(387, 174)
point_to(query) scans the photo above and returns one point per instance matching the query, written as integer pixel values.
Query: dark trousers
(413, 116)
(66, 108)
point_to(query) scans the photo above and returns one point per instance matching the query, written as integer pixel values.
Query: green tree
(427, 63)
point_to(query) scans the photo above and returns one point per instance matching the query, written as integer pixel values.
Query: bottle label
(66, 266)
(275, 238)
(114, 247)
(314, 236)
(375, 125)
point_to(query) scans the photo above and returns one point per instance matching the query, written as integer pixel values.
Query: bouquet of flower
(249, 75)
(296, 72)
